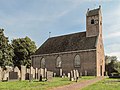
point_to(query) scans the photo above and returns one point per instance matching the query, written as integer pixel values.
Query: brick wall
(87, 62)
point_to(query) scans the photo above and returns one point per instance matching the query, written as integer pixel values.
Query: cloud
(111, 30)
(113, 35)
(115, 47)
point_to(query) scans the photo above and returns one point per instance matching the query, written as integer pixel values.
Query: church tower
(94, 22)
(94, 28)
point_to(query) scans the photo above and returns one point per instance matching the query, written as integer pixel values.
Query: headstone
(40, 79)
(49, 75)
(13, 75)
(36, 73)
(80, 73)
(77, 73)
(45, 73)
(1, 74)
(54, 74)
(27, 70)
(27, 75)
(23, 72)
(16, 69)
(71, 76)
(61, 73)
(33, 72)
(39, 73)
(85, 73)
(42, 72)
(74, 74)
(68, 75)
(9, 68)
(5, 75)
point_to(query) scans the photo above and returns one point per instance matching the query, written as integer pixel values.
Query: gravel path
(78, 85)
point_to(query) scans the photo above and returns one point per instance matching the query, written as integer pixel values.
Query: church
(83, 51)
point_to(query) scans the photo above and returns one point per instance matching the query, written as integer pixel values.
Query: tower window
(92, 21)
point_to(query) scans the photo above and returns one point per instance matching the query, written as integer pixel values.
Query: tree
(111, 64)
(23, 49)
(6, 51)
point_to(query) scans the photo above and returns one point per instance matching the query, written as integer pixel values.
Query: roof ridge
(67, 34)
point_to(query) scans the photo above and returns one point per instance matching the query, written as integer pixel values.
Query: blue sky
(36, 18)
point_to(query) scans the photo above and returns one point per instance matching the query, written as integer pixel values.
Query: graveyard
(12, 78)
(38, 79)
(37, 85)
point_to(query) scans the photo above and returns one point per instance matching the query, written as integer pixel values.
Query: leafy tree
(117, 66)
(6, 51)
(111, 64)
(23, 49)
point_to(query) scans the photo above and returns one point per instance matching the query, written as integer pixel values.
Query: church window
(92, 21)
(59, 62)
(43, 63)
(77, 61)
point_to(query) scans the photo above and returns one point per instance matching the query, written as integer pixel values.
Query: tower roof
(93, 12)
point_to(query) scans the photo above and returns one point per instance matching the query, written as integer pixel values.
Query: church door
(101, 70)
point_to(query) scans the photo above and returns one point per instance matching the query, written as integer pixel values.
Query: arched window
(92, 21)
(43, 63)
(58, 62)
(77, 61)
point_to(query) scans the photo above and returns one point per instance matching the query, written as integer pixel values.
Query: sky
(36, 18)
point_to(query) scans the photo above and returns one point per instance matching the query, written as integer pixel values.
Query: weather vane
(49, 34)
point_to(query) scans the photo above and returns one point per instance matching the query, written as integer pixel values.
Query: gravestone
(5, 75)
(13, 75)
(36, 73)
(9, 68)
(68, 75)
(77, 73)
(60, 72)
(16, 69)
(40, 77)
(49, 75)
(23, 72)
(71, 76)
(42, 72)
(80, 73)
(63, 75)
(54, 74)
(27, 75)
(1, 74)
(85, 73)
(74, 75)
(45, 73)
(33, 72)
(39, 73)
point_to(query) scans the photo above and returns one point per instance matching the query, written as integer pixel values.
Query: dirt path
(78, 85)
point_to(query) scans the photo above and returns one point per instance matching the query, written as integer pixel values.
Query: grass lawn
(35, 85)
(106, 84)
(86, 78)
